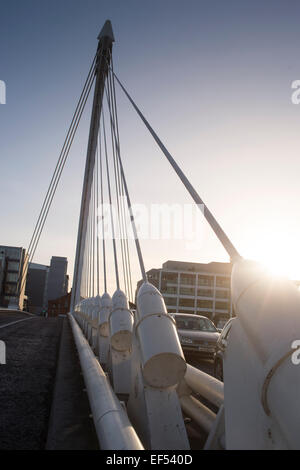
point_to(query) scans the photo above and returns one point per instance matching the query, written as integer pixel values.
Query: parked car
(220, 348)
(197, 334)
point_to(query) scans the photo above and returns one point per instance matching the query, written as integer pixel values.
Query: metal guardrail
(196, 382)
(113, 428)
(193, 384)
(206, 385)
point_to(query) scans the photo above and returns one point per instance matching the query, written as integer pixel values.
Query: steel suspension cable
(69, 133)
(122, 196)
(89, 255)
(93, 235)
(221, 235)
(97, 220)
(57, 173)
(137, 242)
(118, 191)
(102, 216)
(47, 208)
(111, 209)
(108, 94)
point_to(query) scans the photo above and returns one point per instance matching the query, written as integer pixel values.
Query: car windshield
(197, 324)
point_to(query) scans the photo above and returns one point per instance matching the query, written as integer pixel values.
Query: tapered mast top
(106, 32)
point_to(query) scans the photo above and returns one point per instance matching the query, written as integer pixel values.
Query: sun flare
(280, 262)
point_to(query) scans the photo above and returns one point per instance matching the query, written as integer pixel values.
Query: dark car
(197, 334)
(220, 348)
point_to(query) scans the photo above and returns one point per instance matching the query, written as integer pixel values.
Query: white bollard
(162, 357)
(103, 334)
(90, 305)
(120, 326)
(158, 365)
(95, 322)
(120, 323)
(84, 316)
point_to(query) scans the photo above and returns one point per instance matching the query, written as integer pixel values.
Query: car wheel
(219, 371)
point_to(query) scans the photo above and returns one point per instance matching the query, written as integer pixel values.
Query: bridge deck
(27, 383)
(8, 316)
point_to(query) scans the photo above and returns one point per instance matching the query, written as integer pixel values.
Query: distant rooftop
(11, 247)
(38, 266)
(213, 267)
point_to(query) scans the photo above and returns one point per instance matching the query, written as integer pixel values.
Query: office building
(13, 266)
(36, 288)
(198, 288)
(57, 278)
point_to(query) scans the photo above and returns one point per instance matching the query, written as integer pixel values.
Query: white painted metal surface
(204, 384)
(103, 332)
(120, 323)
(155, 412)
(202, 415)
(120, 329)
(95, 323)
(161, 354)
(113, 427)
(261, 392)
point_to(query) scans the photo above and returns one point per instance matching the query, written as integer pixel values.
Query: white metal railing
(112, 424)
(206, 385)
(192, 384)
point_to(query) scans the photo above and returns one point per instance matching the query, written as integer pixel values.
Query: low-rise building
(60, 306)
(198, 288)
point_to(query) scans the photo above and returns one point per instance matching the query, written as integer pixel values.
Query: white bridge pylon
(148, 388)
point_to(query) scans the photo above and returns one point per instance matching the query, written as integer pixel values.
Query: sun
(279, 253)
(279, 267)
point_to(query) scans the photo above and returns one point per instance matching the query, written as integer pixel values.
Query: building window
(222, 305)
(186, 302)
(204, 303)
(13, 266)
(205, 280)
(12, 277)
(205, 293)
(170, 277)
(169, 289)
(10, 289)
(188, 279)
(222, 294)
(187, 291)
(170, 300)
(223, 281)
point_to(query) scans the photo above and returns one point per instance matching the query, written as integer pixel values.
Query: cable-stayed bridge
(140, 388)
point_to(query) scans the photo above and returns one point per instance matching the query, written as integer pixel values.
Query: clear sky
(213, 78)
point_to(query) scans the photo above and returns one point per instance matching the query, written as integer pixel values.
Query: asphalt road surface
(27, 381)
(7, 317)
(43, 403)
